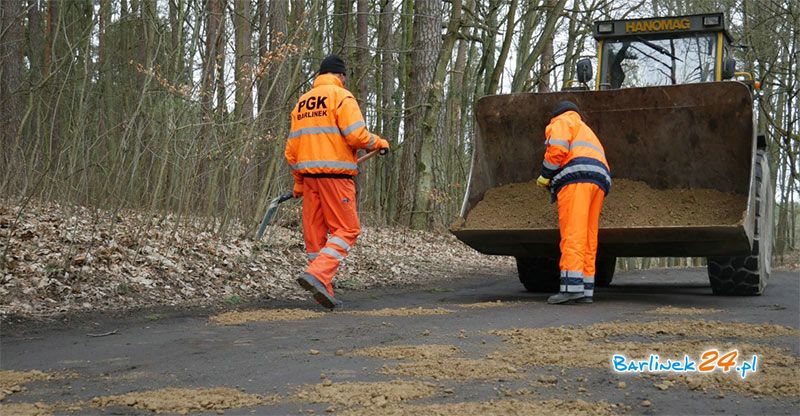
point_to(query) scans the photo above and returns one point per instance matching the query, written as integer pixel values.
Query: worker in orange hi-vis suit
(576, 171)
(327, 130)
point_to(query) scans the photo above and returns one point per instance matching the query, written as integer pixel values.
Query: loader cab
(662, 51)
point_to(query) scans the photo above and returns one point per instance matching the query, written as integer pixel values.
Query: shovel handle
(373, 153)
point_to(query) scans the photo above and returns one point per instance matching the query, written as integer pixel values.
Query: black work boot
(564, 297)
(317, 289)
(585, 299)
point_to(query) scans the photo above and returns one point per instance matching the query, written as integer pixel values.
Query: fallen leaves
(63, 258)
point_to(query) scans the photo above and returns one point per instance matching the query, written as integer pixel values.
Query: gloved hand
(543, 182)
(297, 190)
(382, 144)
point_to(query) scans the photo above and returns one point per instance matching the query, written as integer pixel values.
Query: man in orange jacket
(576, 171)
(327, 130)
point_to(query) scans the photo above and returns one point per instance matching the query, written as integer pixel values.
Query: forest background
(181, 107)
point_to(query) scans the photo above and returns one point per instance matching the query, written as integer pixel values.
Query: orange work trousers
(330, 224)
(579, 206)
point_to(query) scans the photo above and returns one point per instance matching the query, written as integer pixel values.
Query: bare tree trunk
(278, 72)
(455, 150)
(424, 56)
(387, 174)
(213, 25)
(222, 107)
(431, 127)
(263, 48)
(523, 73)
(487, 64)
(494, 81)
(11, 54)
(360, 77)
(244, 61)
(362, 49)
(548, 61)
(573, 39)
(341, 26)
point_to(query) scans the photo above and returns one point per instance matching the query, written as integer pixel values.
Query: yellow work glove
(297, 190)
(543, 182)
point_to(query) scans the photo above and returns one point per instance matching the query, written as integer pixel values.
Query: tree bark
(547, 62)
(244, 61)
(11, 64)
(494, 81)
(523, 73)
(213, 22)
(387, 181)
(431, 128)
(341, 26)
(415, 167)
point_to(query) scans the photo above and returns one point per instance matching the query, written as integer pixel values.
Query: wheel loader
(671, 111)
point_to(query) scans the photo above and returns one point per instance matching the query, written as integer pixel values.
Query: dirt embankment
(630, 204)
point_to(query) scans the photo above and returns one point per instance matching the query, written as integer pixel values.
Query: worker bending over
(327, 130)
(576, 171)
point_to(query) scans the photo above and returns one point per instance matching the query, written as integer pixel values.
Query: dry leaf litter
(61, 258)
(778, 374)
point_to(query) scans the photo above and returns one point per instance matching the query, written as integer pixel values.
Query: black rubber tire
(539, 274)
(604, 270)
(748, 275)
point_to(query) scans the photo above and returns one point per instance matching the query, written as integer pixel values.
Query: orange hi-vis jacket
(574, 154)
(327, 129)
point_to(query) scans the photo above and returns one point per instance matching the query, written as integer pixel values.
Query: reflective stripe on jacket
(327, 129)
(573, 154)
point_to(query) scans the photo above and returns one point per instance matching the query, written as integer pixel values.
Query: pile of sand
(176, 400)
(13, 381)
(456, 369)
(402, 312)
(497, 407)
(408, 352)
(375, 394)
(778, 374)
(261, 315)
(26, 409)
(672, 310)
(484, 305)
(630, 203)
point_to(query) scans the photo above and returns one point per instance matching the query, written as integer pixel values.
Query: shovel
(273, 205)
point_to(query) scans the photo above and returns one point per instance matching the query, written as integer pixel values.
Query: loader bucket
(682, 136)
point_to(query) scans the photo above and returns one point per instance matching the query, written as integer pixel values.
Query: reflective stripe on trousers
(579, 206)
(329, 207)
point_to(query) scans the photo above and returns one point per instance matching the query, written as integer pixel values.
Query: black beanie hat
(333, 64)
(563, 107)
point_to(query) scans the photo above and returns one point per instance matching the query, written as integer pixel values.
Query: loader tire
(748, 275)
(539, 274)
(604, 270)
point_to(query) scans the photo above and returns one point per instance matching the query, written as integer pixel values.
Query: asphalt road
(155, 349)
